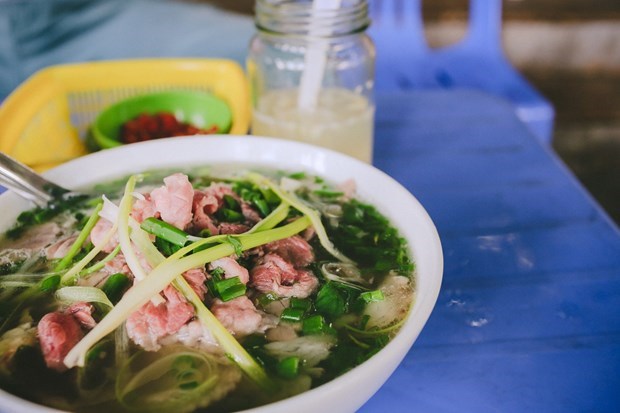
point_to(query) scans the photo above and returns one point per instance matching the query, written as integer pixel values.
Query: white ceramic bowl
(394, 201)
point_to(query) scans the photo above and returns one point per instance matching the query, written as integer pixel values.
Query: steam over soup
(211, 291)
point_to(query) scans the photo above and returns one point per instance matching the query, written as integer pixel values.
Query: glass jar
(312, 75)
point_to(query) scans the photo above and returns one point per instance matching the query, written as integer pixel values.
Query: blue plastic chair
(405, 61)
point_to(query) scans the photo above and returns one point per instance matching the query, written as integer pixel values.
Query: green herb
(367, 235)
(10, 267)
(41, 215)
(331, 300)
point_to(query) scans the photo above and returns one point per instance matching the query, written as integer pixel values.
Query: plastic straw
(314, 62)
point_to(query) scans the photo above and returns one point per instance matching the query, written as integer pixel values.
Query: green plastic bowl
(200, 109)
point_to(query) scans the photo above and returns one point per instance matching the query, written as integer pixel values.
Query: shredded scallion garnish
(309, 212)
(81, 238)
(88, 294)
(164, 274)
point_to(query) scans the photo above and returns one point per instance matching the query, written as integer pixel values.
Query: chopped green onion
(217, 273)
(164, 230)
(266, 299)
(372, 296)
(228, 288)
(227, 283)
(230, 215)
(292, 314)
(165, 247)
(288, 367)
(50, 283)
(233, 292)
(326, 193)
(245, 193)
(313, 325)
(115, 286)
(204, 233)
(269, 195)
(297, 175)
(262, 206)
(301, 303)
(231, 203)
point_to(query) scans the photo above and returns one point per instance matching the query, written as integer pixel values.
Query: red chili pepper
(146, 127)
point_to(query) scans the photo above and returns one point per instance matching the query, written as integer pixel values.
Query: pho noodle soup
(199, 291)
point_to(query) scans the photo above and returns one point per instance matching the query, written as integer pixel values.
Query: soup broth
(202, 290)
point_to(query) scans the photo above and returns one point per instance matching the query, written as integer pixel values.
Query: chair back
(405, 60)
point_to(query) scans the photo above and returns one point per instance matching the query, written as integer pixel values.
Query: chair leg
(485, 26)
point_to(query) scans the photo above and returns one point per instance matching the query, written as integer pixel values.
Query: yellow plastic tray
(45, 121)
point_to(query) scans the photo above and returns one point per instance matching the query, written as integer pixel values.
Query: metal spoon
(27, 183)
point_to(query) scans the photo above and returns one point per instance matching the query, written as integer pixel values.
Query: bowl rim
(423, 303)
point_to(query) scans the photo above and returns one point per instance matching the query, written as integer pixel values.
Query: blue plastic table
(528, 318)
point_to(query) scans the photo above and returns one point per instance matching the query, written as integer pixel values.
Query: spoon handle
(26, 182)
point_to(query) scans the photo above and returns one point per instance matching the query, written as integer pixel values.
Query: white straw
(315, 61)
